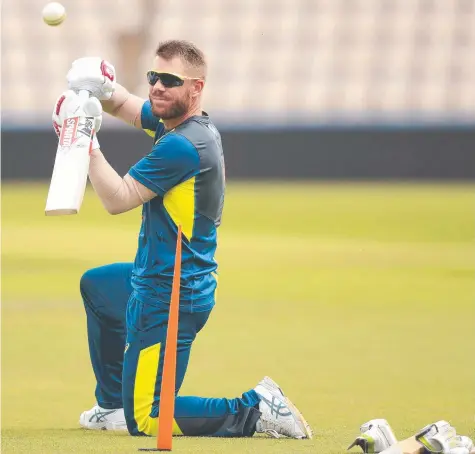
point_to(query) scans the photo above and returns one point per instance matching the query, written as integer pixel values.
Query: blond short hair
(191, 55)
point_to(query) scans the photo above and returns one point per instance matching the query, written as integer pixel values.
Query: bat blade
(71, 166)
(408, 446)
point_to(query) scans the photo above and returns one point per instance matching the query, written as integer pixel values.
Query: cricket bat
(71, 165)
(407, 446)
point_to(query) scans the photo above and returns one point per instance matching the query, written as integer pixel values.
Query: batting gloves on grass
(376, 436)
(441, 437)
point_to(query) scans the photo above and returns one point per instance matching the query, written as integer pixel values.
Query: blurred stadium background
(378, 275)
(284, 59)
(343, 70)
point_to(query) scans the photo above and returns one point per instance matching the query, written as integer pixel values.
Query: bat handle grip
(83, 95)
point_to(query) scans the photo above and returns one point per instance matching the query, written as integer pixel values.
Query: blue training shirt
(186, 169)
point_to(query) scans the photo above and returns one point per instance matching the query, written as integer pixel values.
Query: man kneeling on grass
(180, 182)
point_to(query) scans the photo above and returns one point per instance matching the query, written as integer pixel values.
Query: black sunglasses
(168, 80)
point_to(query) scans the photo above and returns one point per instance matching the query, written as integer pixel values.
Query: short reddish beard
(176, 110)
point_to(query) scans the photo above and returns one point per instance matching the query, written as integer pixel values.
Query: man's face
(173, 102)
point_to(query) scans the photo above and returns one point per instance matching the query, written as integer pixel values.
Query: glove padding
(460, 445)
(375, 436)
(441, 437)
(69, 104)
(94, 75)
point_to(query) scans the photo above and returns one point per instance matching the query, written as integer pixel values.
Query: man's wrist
(116, 101)
(95, 153)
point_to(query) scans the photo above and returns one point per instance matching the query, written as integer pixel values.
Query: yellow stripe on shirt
(180, 205)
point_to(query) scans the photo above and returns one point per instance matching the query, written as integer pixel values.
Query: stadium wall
(327, 153)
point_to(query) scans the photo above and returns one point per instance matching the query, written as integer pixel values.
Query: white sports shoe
(279, 415)
(98, 418)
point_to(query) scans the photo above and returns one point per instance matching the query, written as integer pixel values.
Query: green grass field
(357, 299)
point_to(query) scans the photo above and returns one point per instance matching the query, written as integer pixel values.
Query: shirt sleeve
(173, 160)
(149, 121)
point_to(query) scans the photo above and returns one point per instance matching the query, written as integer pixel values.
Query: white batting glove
(94, 75)
(375, 436)
(70, 105)
(441, 437)
(460, 445)
(435, 437)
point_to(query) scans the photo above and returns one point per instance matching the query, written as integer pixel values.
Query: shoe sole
(102, 426)
(108, 426)
(271, 385)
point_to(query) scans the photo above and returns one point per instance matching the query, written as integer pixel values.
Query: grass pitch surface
(357, 299)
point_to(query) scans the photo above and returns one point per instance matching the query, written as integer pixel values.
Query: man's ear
(198, 87)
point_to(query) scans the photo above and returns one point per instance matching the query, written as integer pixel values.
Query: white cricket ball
(54, 13)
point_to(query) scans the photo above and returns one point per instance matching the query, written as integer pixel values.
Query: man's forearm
(125, 106)
(117, 194)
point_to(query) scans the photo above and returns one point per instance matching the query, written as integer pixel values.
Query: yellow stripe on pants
(144, 391)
